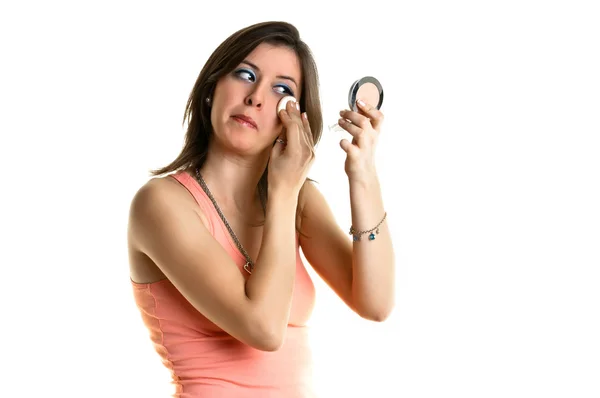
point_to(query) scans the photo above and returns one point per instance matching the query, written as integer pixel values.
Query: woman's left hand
(365, 127)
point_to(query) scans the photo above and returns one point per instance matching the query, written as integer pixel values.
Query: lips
(246, 120)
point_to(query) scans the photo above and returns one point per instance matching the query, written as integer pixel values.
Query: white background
(489, 160)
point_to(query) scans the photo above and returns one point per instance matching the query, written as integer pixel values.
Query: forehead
(276, 60)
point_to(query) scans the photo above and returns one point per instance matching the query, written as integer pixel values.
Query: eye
(246, 74)
(283, 89)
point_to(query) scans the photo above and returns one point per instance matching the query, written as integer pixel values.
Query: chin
(245, 142)
(243, 145)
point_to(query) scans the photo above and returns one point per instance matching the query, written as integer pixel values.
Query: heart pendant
(248, 267)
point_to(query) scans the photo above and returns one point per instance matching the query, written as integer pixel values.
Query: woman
(214, 238)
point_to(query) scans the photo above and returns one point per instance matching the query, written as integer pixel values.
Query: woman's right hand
(293, 153)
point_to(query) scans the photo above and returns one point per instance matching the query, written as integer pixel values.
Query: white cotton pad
(283, 102)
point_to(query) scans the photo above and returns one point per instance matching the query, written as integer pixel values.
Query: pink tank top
(204, 360)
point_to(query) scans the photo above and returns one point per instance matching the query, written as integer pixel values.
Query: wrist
(367, 181)
(282, 200)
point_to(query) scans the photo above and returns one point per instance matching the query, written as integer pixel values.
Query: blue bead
(355, 238)
(372, 236)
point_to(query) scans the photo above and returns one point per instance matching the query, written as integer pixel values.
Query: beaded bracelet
(356, 235)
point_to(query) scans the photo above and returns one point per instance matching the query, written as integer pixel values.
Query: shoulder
(158, 192)
(310, 201)
(163, 199)
(309, 196)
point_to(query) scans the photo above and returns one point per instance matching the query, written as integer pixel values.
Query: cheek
(275, 123)
(225, 96)
(277, 130)
(221, 108)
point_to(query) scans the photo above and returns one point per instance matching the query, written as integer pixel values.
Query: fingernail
(297, 106)
(342, 112)
(304, 115)
(361, 102)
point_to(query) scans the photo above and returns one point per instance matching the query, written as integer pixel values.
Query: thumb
(347, 146)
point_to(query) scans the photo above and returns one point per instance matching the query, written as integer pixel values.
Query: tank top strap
(194, 188)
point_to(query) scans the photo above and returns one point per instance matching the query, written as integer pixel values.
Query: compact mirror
(368, 89)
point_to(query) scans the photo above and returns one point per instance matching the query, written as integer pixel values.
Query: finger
(309, 139)
(374, 114)
(307, 130)
(285, 118)
(360, 137)
(351, 128)
(291, 121)
(288, 123)
(357, 119)
(298, 129)
(293, 108)
(351, 149)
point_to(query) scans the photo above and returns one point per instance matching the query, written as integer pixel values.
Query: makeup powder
(369, 93)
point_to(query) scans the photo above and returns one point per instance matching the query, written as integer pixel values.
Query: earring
(208, 101)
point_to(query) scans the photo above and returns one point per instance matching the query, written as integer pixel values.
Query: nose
(255, 98)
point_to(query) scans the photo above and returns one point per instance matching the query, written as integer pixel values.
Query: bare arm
(173, 236)
(373, 271)
(270, 288)
(361, 273)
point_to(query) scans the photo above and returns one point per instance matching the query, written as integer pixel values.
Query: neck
(233, 180)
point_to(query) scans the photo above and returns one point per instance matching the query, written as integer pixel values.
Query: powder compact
(367, 89)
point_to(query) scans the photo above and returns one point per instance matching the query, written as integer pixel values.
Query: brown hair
(223, 60)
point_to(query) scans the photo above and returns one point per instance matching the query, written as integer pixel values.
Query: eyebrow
(279, 77)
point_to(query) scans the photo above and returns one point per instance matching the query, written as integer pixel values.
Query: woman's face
(244, 105)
